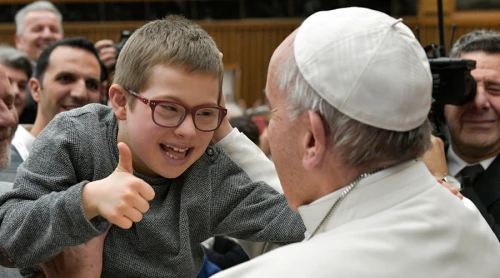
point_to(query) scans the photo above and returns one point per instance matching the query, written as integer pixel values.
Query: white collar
(373, 194)
(456, 164)
(23, 141)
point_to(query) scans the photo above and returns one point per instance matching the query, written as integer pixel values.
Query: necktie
(470, 174)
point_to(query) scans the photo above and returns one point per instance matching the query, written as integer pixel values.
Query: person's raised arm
(44, 211)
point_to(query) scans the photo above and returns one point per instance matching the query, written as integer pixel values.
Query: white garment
(23, 141)
(5, 187)
(396, 223)
(250, 158)
(456, 164)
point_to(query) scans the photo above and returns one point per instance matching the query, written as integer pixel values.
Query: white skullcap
(367, 65)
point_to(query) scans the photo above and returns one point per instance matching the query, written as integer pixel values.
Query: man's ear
(118, 98)
(35, 89)
(314, 141)
(18, 41)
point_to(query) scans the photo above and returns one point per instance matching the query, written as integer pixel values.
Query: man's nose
(80, 91)
(47, 33)
(481, 100)
(15, 88)
(8, 117)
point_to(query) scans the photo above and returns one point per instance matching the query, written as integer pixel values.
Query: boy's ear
(314, 142)
(35, 89)
(118, 98)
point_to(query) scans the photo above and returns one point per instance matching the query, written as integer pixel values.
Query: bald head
(284, 50)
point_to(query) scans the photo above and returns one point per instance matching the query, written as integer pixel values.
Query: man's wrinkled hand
(82, 261)
(435, 158)
(450, 187)
(225, 127)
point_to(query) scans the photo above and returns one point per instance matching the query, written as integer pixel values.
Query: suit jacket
(485, 194)
(398, 222)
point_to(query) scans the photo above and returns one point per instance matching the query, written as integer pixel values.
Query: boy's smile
(168, 151)
(176, 155)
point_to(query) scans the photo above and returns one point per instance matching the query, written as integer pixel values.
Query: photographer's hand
(107, 53)
(435, 158)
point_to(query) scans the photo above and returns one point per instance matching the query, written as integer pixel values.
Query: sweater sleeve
(258, 167)
(250, 210)
(44, 213)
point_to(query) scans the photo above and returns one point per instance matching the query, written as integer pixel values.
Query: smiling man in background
(68, 76)
(38, 25)
(475, 127)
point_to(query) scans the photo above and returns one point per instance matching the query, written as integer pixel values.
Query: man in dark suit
(475, 127)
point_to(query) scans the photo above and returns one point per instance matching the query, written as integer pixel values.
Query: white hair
(35, 6)
(357, 144)
(478, 40)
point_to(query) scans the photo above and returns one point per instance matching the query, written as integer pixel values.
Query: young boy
(163, 187)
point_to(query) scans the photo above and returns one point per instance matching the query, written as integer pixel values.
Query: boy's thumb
(125, 159)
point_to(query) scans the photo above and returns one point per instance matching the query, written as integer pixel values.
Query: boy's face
(162, 151)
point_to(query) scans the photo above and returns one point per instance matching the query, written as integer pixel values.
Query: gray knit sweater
(213, 197)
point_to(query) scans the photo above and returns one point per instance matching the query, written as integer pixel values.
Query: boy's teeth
(177, 149)
(171, 155)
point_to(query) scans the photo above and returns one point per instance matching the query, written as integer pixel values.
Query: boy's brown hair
(173, 41)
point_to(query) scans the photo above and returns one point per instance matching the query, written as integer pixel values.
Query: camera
(452, 82)
(125, 34)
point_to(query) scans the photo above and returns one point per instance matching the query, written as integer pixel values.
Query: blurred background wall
(248, 31)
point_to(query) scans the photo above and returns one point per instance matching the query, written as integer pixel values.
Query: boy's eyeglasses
(167, 113)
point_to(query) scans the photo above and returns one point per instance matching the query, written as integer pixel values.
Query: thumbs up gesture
(121, 198)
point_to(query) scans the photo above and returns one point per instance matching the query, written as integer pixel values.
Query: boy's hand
(121, 198)
(225, 127)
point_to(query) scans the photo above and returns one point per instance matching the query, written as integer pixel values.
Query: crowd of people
(153, 177)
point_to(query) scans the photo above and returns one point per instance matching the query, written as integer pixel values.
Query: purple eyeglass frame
(153, 103)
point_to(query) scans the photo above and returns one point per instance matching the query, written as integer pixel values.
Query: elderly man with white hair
(350, 92)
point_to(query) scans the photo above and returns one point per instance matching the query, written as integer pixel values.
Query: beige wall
(249, 44)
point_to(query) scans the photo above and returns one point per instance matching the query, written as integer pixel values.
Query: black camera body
(452, 82)
(125, 34)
